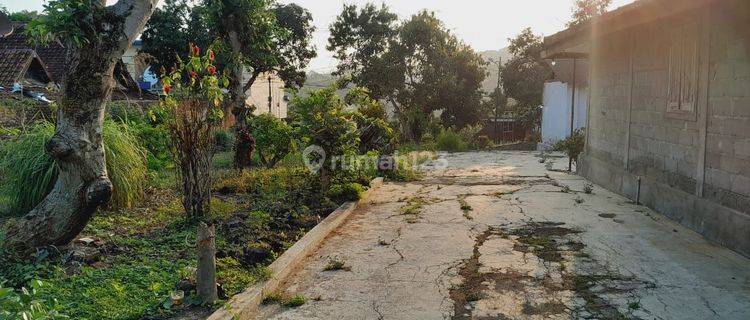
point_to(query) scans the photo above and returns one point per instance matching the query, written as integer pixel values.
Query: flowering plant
(193, 94)
(195, 79)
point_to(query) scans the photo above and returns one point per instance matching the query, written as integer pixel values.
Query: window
(683, 71)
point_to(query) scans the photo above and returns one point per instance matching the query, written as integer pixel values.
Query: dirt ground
(495, 235)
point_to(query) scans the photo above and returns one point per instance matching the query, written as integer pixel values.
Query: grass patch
(284, 301)
(336, 264)
(29, 173)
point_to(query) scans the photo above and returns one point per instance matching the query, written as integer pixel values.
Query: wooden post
(206, 274)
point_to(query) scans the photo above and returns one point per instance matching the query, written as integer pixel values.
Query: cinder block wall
(695, 169)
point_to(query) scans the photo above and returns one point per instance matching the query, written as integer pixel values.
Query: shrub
(470, 132)
(483, 142)
(320, 120)
(26, 304)
(126, 164)
(572, 145)
(450, 140)
(30, 172)
(273, 138)
(346, 192)
(360, 98)
(193, 96)
(224, 139)
(157, 143)
(374, 134)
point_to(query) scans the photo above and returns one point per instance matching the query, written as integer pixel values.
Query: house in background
(669, 111)
(137, 65)
(570, 77)
(24, 67)
(265, 86)
(52, 57)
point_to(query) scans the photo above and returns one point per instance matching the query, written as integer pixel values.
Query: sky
(483, 24)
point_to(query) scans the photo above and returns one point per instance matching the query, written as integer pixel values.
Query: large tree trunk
(245, 143)
(82, 184)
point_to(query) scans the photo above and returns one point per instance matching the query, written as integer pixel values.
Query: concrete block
(742, 149)
(741, 185)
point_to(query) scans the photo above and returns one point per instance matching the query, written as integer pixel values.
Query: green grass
(30, 173)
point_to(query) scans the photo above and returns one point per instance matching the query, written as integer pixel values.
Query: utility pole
(270, 100)
(497, 98)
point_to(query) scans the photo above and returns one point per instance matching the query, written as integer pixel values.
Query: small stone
(85, 241)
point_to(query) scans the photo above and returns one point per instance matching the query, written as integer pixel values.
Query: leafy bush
(483, 142)
(374, 134)
(30, 173)
(320, 120)
(572, 145)
(224, 139)
(26, 304)
(450, 140)
(469, 134)
(157, 143)
(359, 97)
(273, 138)
(346, 192)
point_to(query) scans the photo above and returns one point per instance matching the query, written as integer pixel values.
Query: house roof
(574, 40)
(14, 64)
(53, 55)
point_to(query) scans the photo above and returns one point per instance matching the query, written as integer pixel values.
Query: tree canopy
(584, 10)
(417, 65)
(524, 75)
(171, 29)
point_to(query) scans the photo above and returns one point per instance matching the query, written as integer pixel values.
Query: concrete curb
(245, 305)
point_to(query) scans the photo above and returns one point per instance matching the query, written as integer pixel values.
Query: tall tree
(418, 66)
(262, 36)
(585, 10)
(171, 29)
(359, 39)
(102, 34)
(524, 75)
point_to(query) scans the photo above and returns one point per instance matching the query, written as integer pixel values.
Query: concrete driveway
(497, 236)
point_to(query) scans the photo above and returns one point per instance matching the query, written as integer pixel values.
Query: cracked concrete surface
(496, 236)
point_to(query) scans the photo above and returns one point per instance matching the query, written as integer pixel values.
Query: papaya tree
(98, 35)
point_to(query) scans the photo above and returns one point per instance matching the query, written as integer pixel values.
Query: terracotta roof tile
(13, 65)
(52, 56)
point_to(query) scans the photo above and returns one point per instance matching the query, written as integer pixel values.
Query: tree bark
(244, 147)
(206, 273)
(77, 147)
(124, 78)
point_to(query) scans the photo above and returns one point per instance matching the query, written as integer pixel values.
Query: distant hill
(490, 82)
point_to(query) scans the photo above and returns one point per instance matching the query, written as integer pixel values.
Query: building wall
(693, 167)
(556, 111)
(258, 96)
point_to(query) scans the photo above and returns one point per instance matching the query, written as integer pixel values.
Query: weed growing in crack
(335, 264)
(578, 200)
(294, 301)
(634, 305)
(413, 208)
(284, 301)
(465, 207)
(588, 188)
(565, 189)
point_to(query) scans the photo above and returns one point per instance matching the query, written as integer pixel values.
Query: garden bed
(125, 263)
